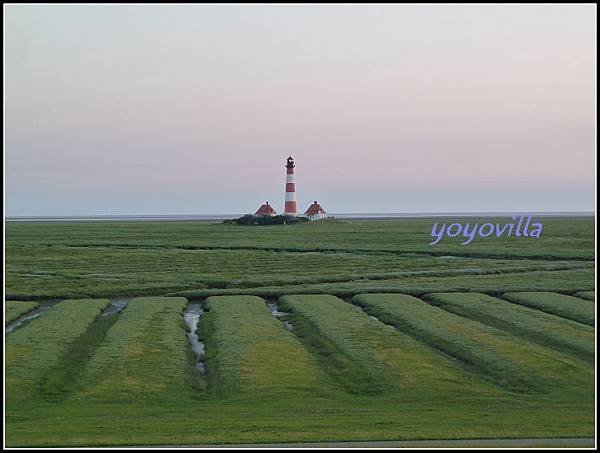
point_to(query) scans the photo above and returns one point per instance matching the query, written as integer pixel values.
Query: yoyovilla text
(521, 227)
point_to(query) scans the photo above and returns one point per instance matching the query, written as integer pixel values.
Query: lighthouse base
(290, 208)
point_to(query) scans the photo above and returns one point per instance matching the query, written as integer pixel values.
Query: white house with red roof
(266, 209)
(315, 212)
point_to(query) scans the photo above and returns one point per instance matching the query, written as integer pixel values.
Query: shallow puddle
(43, 308)
(377, 319)
(191, 316)
(279, 314)
(116, 306)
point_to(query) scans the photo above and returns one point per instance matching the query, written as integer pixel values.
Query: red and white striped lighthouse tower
(290, 189)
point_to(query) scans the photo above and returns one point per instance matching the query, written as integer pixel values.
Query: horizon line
(217, 216)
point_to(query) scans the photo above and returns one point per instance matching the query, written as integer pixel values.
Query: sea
(352, 215)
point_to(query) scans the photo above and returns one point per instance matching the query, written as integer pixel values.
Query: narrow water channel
(349, 301)
(191, 316)
(377, 319)
(43, 308)
(116, 306)
(280, 314)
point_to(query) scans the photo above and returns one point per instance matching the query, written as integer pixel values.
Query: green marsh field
(329, 331)
(15, 309)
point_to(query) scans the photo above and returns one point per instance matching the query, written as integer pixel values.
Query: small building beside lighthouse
(315, 212)
(265, 209)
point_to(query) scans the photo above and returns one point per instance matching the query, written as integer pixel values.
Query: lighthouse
(290, 189)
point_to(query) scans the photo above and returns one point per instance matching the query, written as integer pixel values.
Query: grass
(79, 379)
(557, 304)
(105, 259)
(144, 355)
(533, 325)
(506, 359)
(587, 295)
(568, 281)
(66, 376)
(15, 309)
(380, 359)
(249, 351)
(349, 367)
(33, 350)
(302, 420)
(563, 238)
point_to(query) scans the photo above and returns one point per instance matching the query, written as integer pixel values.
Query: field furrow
(568, 307)
(534, 325)
(249, 352)
(510, 362)
(145, 354)
(40, 345)
(371, 357)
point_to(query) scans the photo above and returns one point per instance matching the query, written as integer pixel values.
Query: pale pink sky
(397, 108)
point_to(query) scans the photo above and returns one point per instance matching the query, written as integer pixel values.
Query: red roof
(266, 209)
(315, 208)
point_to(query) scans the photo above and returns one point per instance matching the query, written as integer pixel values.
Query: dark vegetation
(281, 219)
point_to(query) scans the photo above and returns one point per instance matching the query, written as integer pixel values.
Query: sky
(193, 109)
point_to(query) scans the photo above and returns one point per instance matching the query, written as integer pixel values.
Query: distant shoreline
(345, 216)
